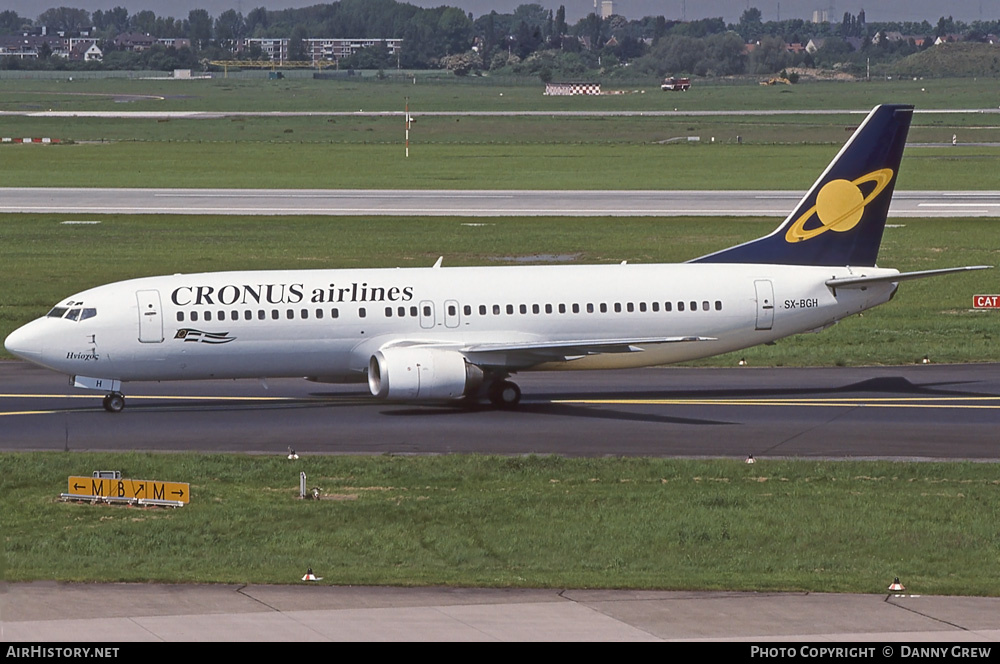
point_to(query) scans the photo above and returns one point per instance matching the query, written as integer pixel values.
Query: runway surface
(909, 412)
(472, 203)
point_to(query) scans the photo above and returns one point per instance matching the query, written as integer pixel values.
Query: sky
(729, 10)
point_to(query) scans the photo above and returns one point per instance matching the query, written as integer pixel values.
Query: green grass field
(477, 94)
(448, 166)
(516, 522)
(537, 152)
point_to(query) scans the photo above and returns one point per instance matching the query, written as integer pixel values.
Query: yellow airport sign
(129, 489)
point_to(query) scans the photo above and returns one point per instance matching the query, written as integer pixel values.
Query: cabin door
(765, 303)
(150, 318)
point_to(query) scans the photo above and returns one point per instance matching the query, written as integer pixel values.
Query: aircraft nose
(24, 343)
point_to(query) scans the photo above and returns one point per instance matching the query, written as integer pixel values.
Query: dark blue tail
(840, 221)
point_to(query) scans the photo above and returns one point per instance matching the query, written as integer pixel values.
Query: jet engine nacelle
(421, 373)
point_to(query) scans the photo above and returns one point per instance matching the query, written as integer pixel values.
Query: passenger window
(704, 305)
(452, 310)
(482, 309)
(413, 311)
(667, 306)
(642, 307)
(194, 316)
(247, 314)
(401, 312)
(523, 309)
(260, 314)
(630, 307)
(180, 316)
(234, 315)
(548, 308)
(656, 306)
(694, 306)
(535, 309)
(334, 313)
(718, 305)
(388, 312)
(305, 314)
(510, 309)
(618, 307)
(562, 308)
(319, 313)
(208, 316)
(680, 306)
(289, 314)
(576, 308)
(362, 312)
(604, 307)
(590, 307)
(467, 310)
(274, 314)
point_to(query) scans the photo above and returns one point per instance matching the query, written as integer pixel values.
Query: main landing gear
(114, 402)
(504, 394)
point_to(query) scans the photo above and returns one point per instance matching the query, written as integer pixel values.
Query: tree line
(531, 40)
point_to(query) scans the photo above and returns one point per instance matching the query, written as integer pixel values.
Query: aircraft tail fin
(841, 219)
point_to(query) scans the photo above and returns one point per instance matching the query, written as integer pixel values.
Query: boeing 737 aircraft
(446, 333)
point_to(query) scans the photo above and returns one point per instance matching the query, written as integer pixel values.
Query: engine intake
(421, 373)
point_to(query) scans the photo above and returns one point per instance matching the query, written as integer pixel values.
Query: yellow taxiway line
(992, 403)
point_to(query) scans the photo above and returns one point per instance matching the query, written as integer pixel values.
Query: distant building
(607, 8)
(134, 41)
(32, 46)
(317, 49)
(138, 42)
(175, 42)
(85, 50)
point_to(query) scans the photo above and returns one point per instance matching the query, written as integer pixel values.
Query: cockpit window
(74, 314)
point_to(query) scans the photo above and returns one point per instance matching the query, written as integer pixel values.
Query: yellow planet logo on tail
(840, 204)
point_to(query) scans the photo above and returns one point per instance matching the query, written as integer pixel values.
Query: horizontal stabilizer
(862, 282)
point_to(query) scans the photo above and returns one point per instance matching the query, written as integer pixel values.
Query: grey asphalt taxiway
(921, 411)
(471, 203)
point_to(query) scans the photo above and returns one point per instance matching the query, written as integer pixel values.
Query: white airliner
(449, 333)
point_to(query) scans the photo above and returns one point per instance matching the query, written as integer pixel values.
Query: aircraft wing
(536, 351)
